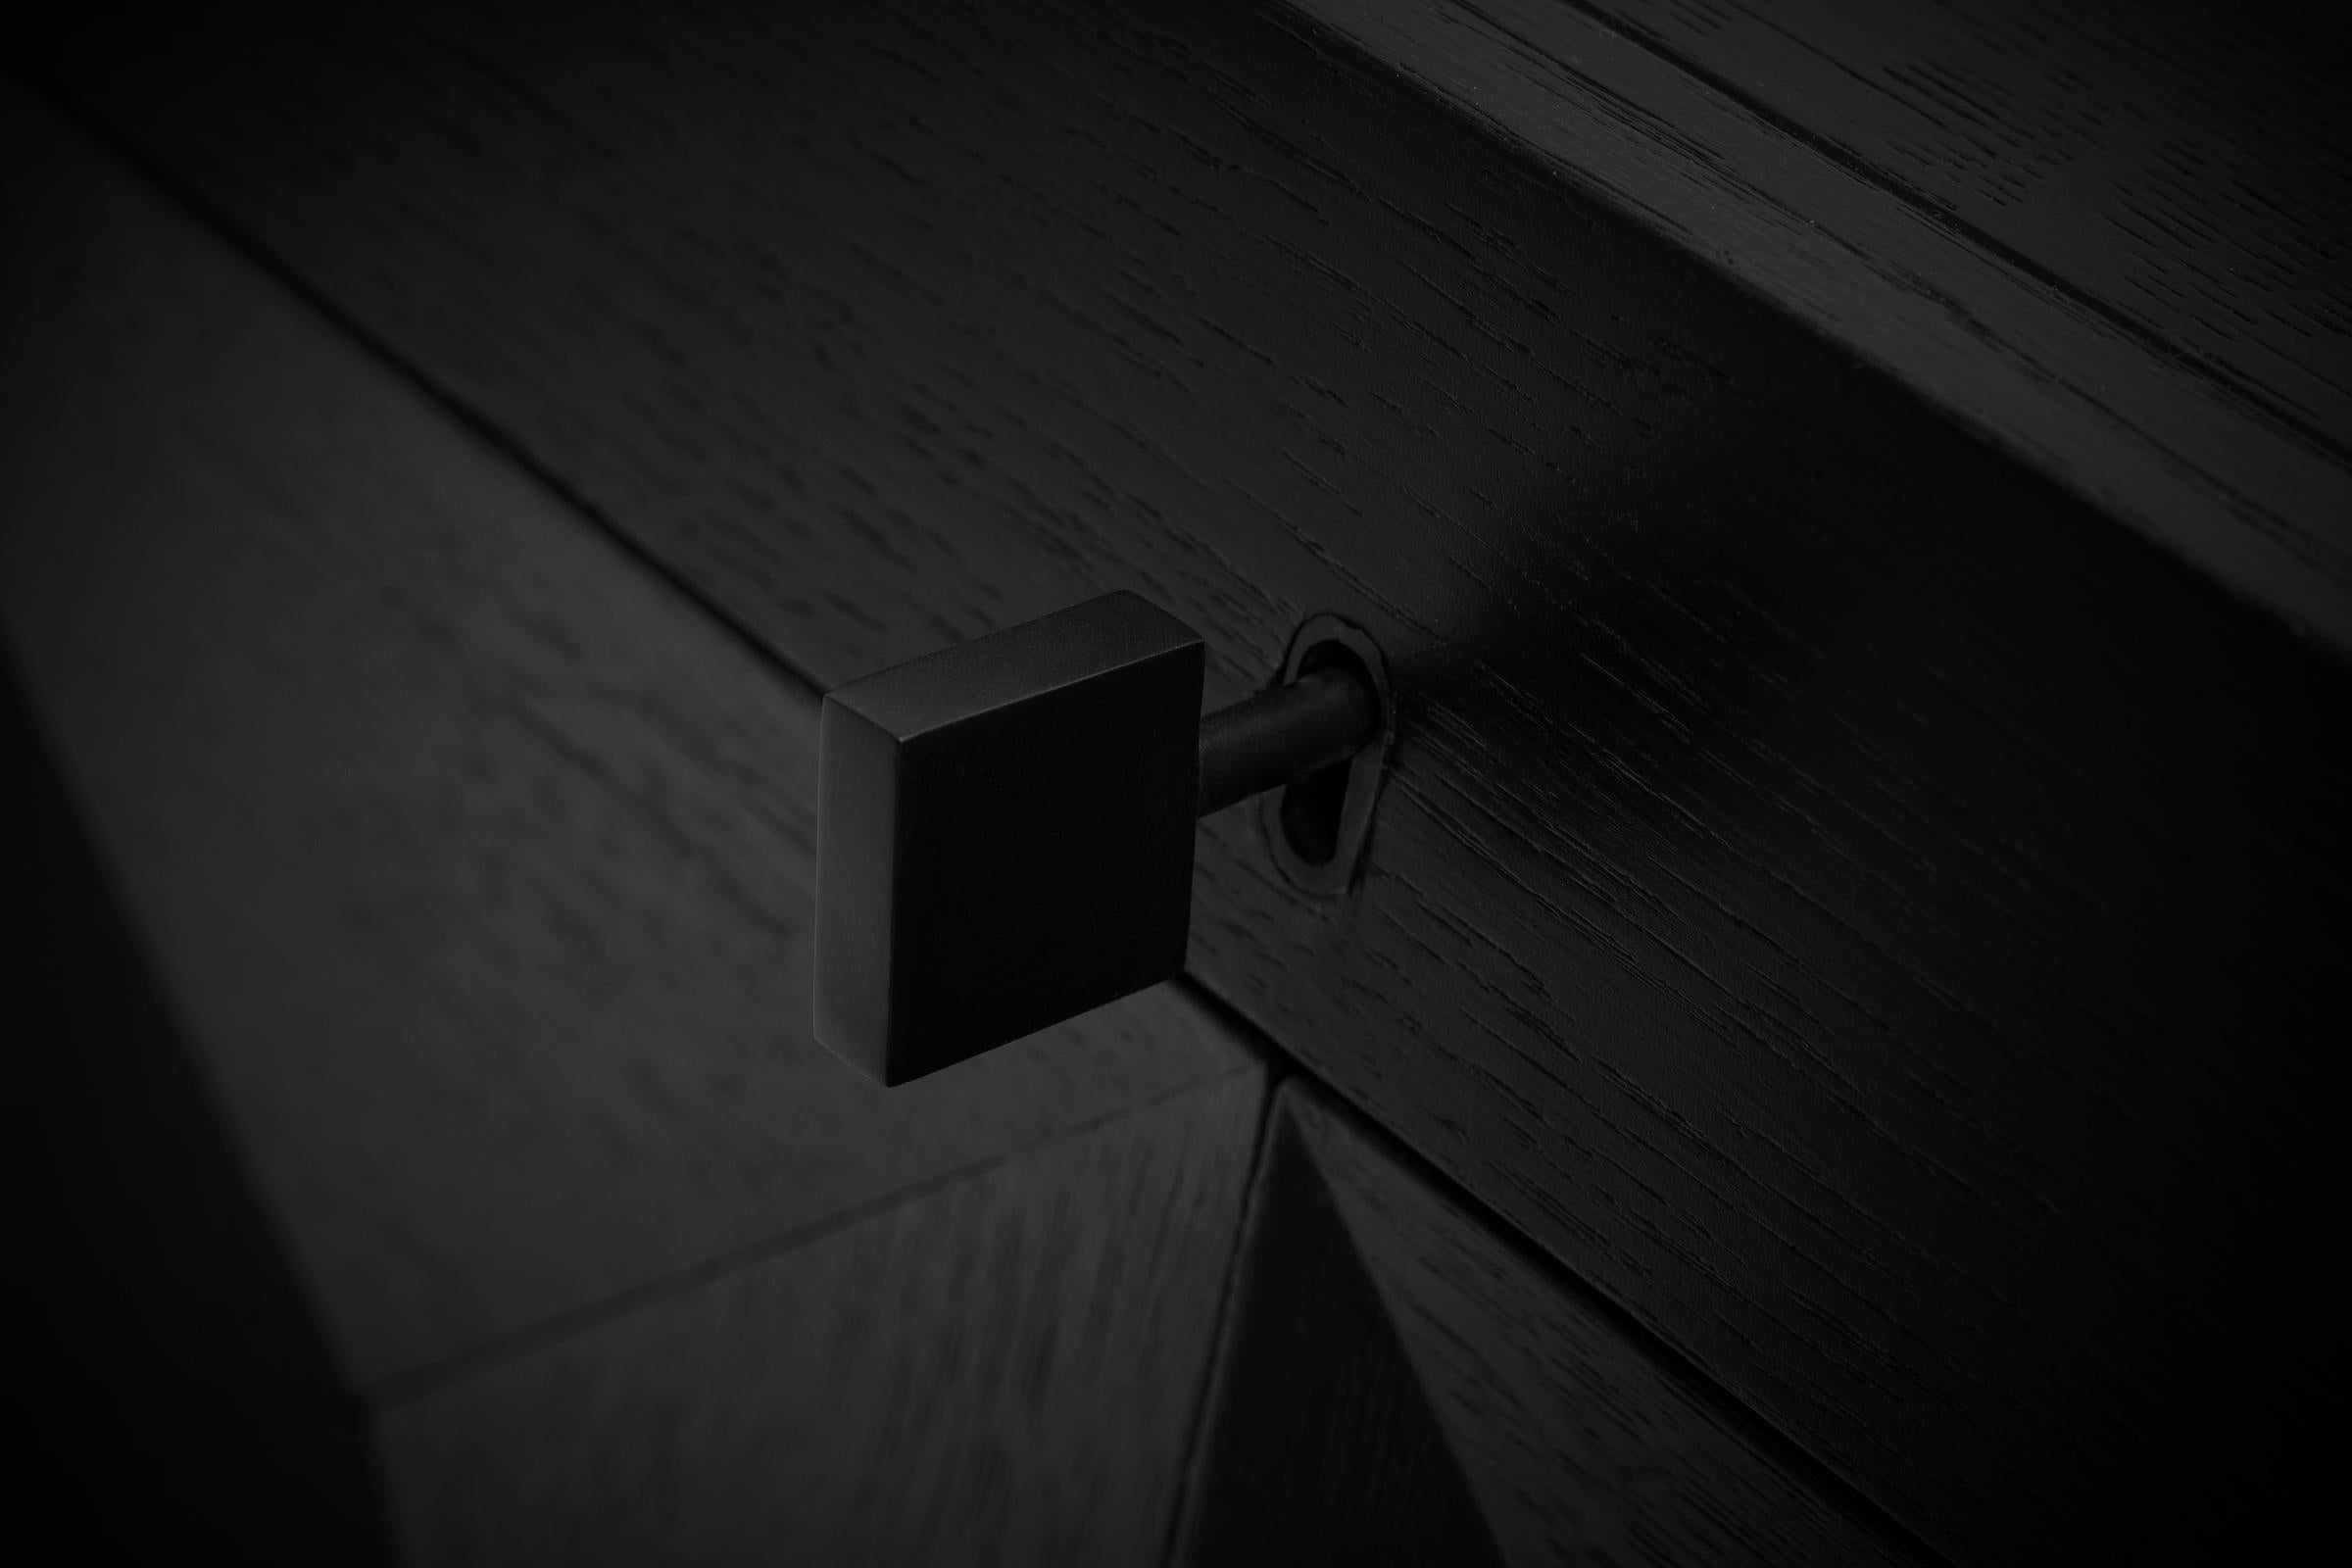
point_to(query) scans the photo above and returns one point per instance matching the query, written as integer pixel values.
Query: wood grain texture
(476, 864)
(2183, 164)
(2108, 237)
(1004, 1371)
(1858, 906)
(1576, 1442)
(1320, 1446)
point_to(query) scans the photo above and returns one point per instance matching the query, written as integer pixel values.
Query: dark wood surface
(472, 866)
(1320, 1445)
(477, 862)
(2181, 164)
(1476, 1404)
(1001, 1371)
(2108, 237)
(1860, 906)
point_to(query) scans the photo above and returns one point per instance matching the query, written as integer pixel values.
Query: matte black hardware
(1004, 828)
(1308, 724)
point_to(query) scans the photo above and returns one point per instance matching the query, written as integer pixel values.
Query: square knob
(1007, 834)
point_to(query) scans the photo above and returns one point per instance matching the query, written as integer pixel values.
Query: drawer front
(1851, 902)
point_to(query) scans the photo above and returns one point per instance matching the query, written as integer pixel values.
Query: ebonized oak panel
(474, 861)
(1003, 1371)
(2185, 164)
(487, 1182)
(2109, 237)
(1866, 912)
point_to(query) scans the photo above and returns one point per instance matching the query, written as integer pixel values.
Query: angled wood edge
(1003, 1369)
(1319, 1442)
(2039, 371)
(1395, 1374)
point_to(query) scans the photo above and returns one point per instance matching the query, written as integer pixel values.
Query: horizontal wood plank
(1840, 894)
(2180, 164)
(2106, 238)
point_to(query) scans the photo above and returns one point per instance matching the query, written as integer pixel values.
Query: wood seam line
(1206, 1396)
(418, 1383)
(189, 203)
(2251, 397)
(1692, 1381)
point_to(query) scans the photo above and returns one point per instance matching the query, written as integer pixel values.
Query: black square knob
(1007, 834)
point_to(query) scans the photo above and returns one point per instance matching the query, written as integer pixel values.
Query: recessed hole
(1317, 827)
(1311, 806)
(1311, 814)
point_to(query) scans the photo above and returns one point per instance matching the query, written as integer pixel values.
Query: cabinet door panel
(428, 1087)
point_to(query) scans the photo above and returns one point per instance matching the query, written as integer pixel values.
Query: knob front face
(1005, 834)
